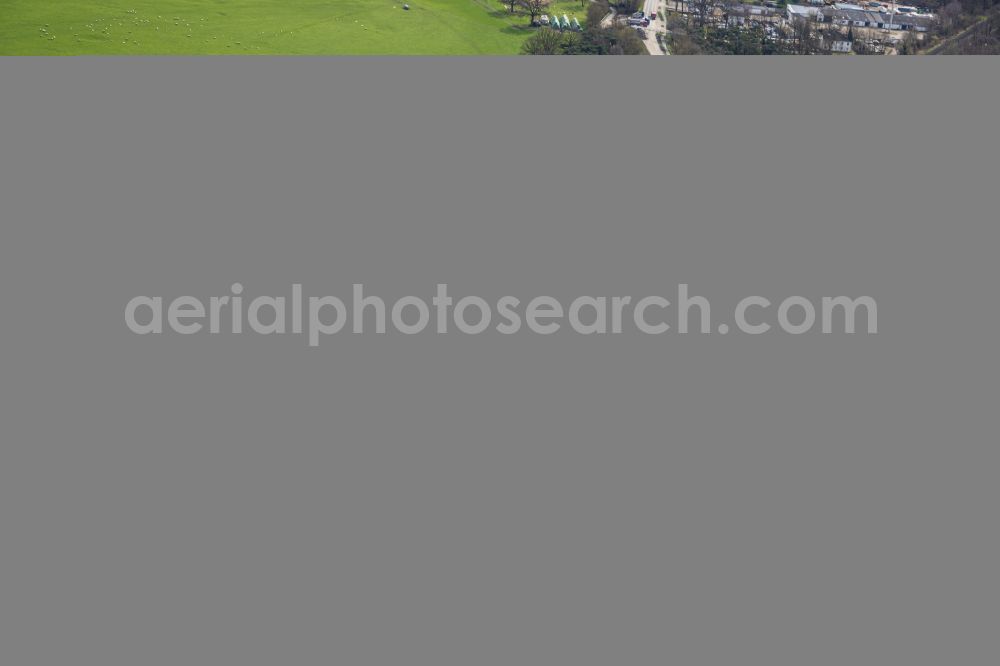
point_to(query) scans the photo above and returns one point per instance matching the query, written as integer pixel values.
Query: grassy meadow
(294, 27)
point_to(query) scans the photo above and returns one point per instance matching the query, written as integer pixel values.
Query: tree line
(594, 39)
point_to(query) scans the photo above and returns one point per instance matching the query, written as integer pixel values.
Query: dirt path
(965, 34)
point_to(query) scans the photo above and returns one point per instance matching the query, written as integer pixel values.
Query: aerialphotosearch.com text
(320, 316)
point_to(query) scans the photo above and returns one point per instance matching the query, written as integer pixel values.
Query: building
(738, 15)
(801, 12)
(854, 16)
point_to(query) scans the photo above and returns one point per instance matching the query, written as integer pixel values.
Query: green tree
(544, 42)
(595, 12)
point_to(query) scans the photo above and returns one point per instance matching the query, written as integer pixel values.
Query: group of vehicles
(640, 20)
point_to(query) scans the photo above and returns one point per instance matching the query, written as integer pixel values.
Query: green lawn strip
(192, 27)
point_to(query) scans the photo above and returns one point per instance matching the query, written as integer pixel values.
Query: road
(659, 25)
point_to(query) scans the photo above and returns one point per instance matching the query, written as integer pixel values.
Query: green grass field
(302, 27)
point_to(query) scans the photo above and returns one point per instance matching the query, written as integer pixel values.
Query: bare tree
(701, 8)
(804, 37)
(535, 8)
(950, 16)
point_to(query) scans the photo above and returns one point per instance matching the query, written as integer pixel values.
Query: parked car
(652, 16)
(543, 19)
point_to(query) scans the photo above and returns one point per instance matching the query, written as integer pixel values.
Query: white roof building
(800, 11)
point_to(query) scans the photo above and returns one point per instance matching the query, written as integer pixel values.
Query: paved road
(654, 26)
(659, 25)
